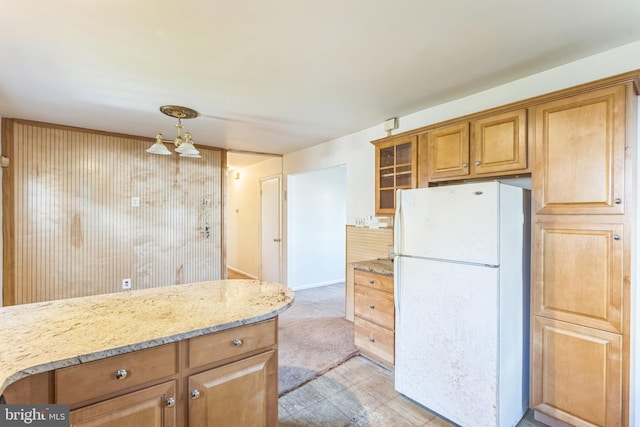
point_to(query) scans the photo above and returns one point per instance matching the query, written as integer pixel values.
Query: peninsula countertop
(43, 336)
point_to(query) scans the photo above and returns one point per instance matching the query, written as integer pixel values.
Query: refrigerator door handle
(396, 288)
(397, 245)
(397, 224)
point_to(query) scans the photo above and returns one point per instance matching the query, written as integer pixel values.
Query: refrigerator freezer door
(446, 339)
(456, 222)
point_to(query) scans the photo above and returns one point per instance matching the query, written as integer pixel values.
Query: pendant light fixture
(184, 144)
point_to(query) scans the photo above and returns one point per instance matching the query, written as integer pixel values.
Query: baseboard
(316, 285)
(550, 421)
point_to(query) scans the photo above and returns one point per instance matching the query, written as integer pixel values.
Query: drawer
(233, 342)
(93, 379)
(374, 306)
(372, 280)
(374, 341)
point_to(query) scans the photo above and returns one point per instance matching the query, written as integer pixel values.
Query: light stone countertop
(44, 336)
(378, 266)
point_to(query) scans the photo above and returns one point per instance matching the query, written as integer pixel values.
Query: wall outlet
(135, 201)
(126, 283)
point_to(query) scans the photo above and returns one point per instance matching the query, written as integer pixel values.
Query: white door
(270, 238)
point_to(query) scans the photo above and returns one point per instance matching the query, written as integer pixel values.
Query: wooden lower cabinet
(150, 407)
(374, 322)
(226, 378)
(235, 394)
(577, 377)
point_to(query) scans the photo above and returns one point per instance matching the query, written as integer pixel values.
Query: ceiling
(277, 76)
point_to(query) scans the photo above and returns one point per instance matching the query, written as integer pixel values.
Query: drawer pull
(237, 342)
(372, 339)
(616, 237)
(195, 394)
(617, 201)
(170, 402)
(372, 306)
(121, 374)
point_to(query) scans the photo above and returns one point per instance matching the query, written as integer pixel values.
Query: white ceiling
(277, 76)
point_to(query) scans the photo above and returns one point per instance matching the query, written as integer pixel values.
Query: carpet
(313, 336)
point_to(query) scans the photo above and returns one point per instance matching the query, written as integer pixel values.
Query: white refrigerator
(462, 301)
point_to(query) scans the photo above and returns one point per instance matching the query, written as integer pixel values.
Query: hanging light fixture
(184, 145)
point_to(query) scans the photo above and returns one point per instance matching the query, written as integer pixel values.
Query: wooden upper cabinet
(448, 152)
(499, 143)
(396, 167)
(489, 146)
(580, 153)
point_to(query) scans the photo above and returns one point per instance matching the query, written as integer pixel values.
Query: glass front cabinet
(396, 167)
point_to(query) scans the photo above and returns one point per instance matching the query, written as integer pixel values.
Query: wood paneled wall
(69, 227)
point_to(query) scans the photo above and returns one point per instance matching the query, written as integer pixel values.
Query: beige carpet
(313, 336)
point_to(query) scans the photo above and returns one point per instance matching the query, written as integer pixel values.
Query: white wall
(243, 215)
(316, 228)
(357, 153)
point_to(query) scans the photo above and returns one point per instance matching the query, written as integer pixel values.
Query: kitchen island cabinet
(164, 356)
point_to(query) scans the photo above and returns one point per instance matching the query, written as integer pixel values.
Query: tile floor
(358, 393)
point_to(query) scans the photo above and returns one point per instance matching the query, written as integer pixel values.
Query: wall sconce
(184, 145)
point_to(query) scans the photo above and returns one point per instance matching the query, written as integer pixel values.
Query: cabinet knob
(464, 165)
(371, 281)
(477, 163)
(195, 394)
(617, 201)
(121, 374)
(372, 306)
(372, 339)
(170, 402)
(237, 342)
(616, 237)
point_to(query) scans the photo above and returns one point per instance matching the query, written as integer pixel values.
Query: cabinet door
(448, 152)
(578, 273)
(242, 393)
(396, 167)
(149, 407)
(499, 144)
(580, 153)
(577, 373)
